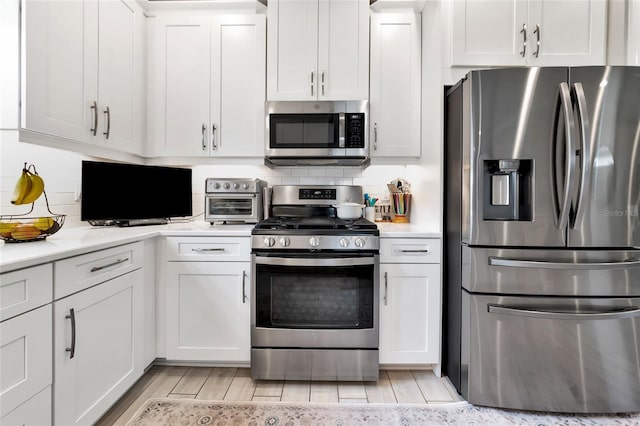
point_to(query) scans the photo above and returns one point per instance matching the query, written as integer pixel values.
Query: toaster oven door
(245, 208)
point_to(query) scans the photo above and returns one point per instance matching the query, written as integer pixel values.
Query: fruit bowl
(19, 229)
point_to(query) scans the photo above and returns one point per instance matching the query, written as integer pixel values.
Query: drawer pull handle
(72, 317)
(244, 291)
(207, 249)
(117, 262)
(385, 288)
(414, 251)
(627, 312)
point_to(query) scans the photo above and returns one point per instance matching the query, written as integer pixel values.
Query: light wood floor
(235, 384)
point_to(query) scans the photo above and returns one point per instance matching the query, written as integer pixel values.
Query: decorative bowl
(19, 229)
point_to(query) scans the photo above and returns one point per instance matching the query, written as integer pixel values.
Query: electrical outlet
(77, 195)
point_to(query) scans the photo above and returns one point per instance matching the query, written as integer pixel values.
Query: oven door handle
(281, 261)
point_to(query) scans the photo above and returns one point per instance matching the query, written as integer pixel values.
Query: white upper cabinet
(395, 114)
(83, 63)
(318, 50)
(210, 86)
(528, 32)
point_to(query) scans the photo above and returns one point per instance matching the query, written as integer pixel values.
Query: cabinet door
(61, 54)
(410, 314)
(292, 50)
(108, 353)
(183, 84)
(208, 311)
(25, 358)
(343, 50)
(116, 74)
(489, 32)
(395, 86)
(238, 86)
(34, 412)
(568, 32)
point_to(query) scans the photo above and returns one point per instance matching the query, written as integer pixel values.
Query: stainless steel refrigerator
(542, 265)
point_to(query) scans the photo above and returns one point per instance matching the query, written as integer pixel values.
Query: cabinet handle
(523, 31)
(94, 107)
(207, 249)
(414, 251)
(386, 282)
(244, 292)
(375, 136)
(322, 79)
(311, 81)
(213, 136)
(204, 144)
(108, 113)
(537, 33)
(117, 262)
(72, 349)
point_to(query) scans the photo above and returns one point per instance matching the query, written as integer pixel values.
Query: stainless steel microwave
(317, 133)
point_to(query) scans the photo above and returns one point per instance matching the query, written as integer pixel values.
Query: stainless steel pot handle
(630, 312)
(281, 261)
(541, 264)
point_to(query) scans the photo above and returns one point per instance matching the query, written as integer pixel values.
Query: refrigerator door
(512, 120)
(551, 272)
(552, 354)
(605, 210)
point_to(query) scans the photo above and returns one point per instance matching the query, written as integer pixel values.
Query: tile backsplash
(62, 172)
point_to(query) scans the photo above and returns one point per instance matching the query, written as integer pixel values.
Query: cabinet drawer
(26, 289)
(409, 250)
(25, 357)
(194, 249)
(80, 272)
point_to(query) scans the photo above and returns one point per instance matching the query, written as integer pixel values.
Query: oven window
(230, 206)
(314, 297)
(303, 131)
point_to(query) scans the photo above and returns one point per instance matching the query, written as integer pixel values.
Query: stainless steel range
(315, 285)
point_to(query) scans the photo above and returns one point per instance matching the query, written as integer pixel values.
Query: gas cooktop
(315, 223)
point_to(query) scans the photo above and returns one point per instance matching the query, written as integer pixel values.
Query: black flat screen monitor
(129, 194)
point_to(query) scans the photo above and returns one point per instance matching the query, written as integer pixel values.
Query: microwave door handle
(341, 130)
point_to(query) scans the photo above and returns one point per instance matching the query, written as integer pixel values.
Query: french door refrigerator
(542, 266)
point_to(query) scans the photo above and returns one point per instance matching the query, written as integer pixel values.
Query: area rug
(184, 412)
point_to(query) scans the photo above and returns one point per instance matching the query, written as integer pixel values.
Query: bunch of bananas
(29, 186)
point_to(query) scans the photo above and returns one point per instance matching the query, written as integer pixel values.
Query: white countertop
(74, 241)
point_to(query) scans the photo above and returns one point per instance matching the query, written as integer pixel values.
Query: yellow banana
(37, 186)
(23, 187)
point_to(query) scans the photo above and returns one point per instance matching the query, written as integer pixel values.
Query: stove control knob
(269, 241)
(314, 241)
(344, 242)
(245, 186)
(236, 185)
(216, 185)
(227, 185)
(360, 242)
(285, 241)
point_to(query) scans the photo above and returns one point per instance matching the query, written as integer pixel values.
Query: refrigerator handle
(543, 264)
(570, 149)
(585, 152)
(627, 312)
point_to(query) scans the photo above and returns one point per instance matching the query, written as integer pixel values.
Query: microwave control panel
(354, 130)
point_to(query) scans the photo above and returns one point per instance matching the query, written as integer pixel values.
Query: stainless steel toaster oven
(233, 200)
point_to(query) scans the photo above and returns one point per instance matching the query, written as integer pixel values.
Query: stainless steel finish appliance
(542, 274)
(314, 313)
(233, 200)
(321, 133)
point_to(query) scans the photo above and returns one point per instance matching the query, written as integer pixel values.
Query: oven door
(315, 300)
(232, 207)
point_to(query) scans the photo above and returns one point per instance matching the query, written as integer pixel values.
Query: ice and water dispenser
(508, 193)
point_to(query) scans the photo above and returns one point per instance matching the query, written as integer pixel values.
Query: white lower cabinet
(208, 311)
(25, 366)
(410, 302)
(36, 411)
(97, 348)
